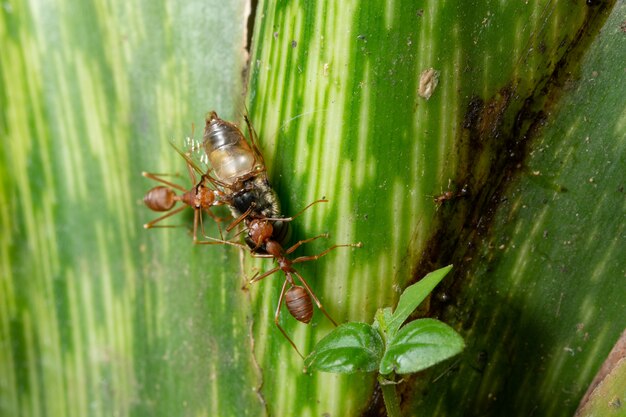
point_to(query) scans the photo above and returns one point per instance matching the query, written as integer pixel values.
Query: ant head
(260, 231)
(160, 198)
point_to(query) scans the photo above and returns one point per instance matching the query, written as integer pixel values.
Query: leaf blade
(420, 345)
(413, 297)
(351, 347)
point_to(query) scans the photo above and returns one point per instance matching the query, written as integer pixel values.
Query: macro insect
(297, 298)
(201, 197)
(238, 179)
(449, 195)
(240, 171)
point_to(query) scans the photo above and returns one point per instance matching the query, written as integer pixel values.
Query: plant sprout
(388, 347)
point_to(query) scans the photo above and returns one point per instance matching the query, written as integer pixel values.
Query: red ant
(201, 197)
(259, 237)
(241, 184)
(449, 195)
(297, 298)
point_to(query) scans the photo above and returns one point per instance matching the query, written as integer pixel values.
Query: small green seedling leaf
(382, 317)
(412, 297)
(351, 347)
(419, 345)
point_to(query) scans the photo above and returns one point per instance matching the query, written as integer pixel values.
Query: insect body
(449, 195)
(233, 159)
(239, 169)
(201, 197)
(296, 297)
(240, 172)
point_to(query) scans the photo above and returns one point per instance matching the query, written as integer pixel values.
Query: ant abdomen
(160, 198)
(299, 304)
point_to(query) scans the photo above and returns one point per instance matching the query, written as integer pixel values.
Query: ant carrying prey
(240, 171)
(297, 298)
(238, 180)
(201, 197)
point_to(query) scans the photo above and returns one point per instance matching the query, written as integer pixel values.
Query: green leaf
(420, 344)
(413, 297)
(105, 318)
(606, 395)
(609, 397)
(381, 320)
(98, 316)
(351, 347)
(544, 299)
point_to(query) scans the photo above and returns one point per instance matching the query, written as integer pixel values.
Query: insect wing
(194, 156)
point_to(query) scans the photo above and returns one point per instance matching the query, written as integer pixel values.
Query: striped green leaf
(546, 301)
(335, 91)
(100, 317)
(413, 297)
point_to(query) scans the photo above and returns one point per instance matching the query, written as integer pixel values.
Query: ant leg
(214, 241)
(152, 223)
(198, 215)
(239, 233)
(197, 218)
(319, 255)
(263, 275)
(254, 139)
(239, 219)
(277, 315)
(214, 181)
(192, 175)
(302, 242)
(157, 178)
(288, 219)
(317, 301)
(262, 255)
(210, 240)
(217, 220)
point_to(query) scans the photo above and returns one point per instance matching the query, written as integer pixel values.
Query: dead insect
(239, 170)
(233, 158)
